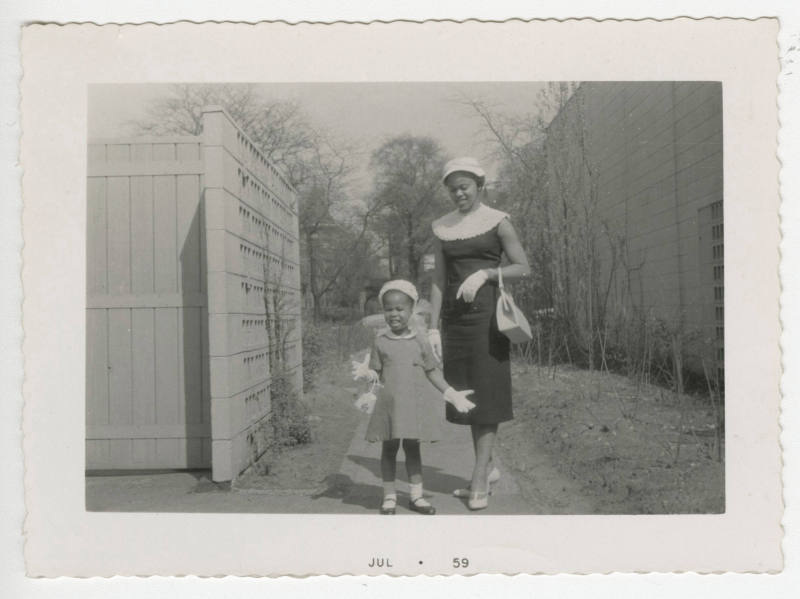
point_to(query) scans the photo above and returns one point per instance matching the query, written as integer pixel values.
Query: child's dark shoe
(421, 506)
(389, 505)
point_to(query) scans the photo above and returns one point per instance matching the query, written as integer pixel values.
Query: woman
(469, 245)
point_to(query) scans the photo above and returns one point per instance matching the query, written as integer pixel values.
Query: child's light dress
(408, 405)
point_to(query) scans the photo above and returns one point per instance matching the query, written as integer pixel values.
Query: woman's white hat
(465, 164)
(401, 285)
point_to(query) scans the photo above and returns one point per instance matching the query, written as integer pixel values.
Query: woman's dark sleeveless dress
(474, 352)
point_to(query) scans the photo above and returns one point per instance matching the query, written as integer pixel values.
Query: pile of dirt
(595, 443)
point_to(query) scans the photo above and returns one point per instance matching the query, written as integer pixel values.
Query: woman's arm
(518, 267)
(437, 285)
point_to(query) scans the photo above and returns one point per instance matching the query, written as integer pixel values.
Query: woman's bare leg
(483, 436)
(475, 447)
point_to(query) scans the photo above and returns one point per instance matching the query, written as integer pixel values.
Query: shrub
(313, 347)
(289, 416)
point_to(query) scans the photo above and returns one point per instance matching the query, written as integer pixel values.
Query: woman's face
(463, 191)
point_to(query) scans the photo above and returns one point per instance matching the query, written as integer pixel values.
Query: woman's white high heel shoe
(494, 476)
(478, 501)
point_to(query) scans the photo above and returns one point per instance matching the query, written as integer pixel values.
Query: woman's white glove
(459, 399)
(435, 339)
(471, 285)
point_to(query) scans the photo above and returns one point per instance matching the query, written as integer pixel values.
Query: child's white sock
(415, 490)
(389, 503)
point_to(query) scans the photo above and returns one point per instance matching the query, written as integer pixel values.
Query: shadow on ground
(434, 479)
(342, 487)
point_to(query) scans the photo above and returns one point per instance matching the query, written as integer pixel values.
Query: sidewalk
(447, 466)
(355, 489)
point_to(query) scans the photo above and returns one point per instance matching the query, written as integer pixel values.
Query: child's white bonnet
(402, 286)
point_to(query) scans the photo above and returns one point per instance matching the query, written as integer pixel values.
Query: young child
(408, 408)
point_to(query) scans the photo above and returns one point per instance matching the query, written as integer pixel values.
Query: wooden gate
(147, 384)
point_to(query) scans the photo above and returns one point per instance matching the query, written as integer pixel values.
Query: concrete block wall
(251, 231)
(658, 153)
(656, 150)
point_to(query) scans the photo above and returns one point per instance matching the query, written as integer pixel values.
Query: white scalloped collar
(456, 225)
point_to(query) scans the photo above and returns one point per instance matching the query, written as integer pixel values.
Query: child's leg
(413, 461)
(389, 465)
(414, 468)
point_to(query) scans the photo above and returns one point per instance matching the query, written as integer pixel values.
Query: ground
(333, 421)
(581, 443)
(591, 442)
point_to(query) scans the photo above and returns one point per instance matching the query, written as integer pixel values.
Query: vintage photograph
(405, 298)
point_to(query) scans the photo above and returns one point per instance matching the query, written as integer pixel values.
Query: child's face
(397, 308)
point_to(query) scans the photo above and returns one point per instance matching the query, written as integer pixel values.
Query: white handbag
(510, 319)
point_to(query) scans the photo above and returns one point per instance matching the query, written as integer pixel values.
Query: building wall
(654, 151)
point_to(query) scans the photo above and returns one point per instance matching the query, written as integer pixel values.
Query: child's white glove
(459, 399)
(435, 339)
(471, 285)
(361, 371)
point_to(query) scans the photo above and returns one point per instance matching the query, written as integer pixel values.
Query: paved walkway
(447, 465)
(355, 489)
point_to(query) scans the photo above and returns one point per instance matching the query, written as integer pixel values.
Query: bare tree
(332, 227)
(279, 128)
(550, 181)
(409, 193)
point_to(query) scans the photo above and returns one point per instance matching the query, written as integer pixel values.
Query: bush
(313, 348)
(289, 416)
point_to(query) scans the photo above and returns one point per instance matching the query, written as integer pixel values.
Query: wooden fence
(186, 238)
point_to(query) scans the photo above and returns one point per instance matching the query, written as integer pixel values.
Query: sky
(365, 114)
